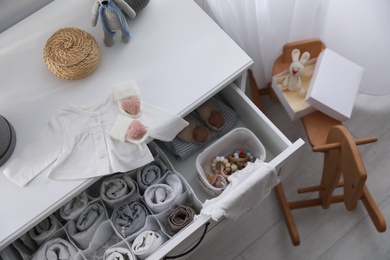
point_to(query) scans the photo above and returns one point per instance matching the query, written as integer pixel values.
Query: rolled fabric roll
(82, 230)
(73, 208)
(41, 232)
(160, 196)
(146, 243)
(129, 216)
(115, 189)
(56, 249)
(150, 173)
(180, 217)
(118, 253)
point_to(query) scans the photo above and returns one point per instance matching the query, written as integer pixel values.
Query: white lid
(334, 85)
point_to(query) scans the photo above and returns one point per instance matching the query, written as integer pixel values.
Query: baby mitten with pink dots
(127, 96)
(129, 129)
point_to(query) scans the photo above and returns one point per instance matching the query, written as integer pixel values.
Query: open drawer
(281, 153)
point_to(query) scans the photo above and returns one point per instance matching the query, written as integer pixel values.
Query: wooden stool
(342, 158)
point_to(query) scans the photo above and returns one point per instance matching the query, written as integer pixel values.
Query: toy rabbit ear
(295, 54)
(305, 57)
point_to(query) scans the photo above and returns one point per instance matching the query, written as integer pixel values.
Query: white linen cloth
(247, 188)
(146, 243)
(76, 143)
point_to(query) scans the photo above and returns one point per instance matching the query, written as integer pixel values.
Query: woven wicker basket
(71, 53)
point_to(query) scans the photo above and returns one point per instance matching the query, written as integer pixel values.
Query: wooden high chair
(342, 159)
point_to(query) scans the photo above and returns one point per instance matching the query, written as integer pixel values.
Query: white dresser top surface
(177, 55)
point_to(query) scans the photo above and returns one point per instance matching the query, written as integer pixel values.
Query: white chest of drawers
(179, 58)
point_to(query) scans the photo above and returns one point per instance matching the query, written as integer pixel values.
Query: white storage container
(237, 138)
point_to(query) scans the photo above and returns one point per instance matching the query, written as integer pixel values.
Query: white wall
(360, 31)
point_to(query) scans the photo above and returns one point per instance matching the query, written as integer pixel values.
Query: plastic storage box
(237, 138)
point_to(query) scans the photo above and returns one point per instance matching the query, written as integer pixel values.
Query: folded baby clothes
(41, 232)
(87, 128)
(246, 189)
(73, 208)
(180, 217)
(160, 196)
(115, 189)
(150, 173)
(56, 249)
(129, 216)
(118, 253)
(146, 243)
(83, 229)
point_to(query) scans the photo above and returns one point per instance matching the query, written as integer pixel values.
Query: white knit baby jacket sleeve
(38, 155)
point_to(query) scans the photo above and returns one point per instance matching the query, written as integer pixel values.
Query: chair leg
(288, 218)
(254, 90)
(373, 211)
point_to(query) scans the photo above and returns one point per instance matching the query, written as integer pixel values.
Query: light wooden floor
(334, 233)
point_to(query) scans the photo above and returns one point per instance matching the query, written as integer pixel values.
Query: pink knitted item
(136, 130)
(132, 105)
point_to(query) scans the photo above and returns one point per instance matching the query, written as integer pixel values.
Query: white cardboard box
(332, 83)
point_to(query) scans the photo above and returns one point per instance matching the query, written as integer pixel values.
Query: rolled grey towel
(146, 243)
(150, 173)
(129, 216)
(180, 217)
(82, 230)
(116, 189)
(56, 249)
(118, 253)
(41, 232)
(72, 209)
(160, 196)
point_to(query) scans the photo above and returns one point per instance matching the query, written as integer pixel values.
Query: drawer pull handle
(191, 249)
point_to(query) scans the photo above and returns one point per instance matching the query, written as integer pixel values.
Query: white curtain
(359, 30)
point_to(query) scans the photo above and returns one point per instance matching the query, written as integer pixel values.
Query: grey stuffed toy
(112, 18)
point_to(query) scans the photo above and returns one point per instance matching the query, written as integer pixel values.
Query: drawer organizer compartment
(130, 214)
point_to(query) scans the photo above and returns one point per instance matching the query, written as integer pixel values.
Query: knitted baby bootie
(194, 133)
(211, 116)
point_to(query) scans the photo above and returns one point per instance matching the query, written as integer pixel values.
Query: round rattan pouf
(71, 53)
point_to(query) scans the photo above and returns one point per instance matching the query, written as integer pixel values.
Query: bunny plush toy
(293, 81)
(112, 14)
